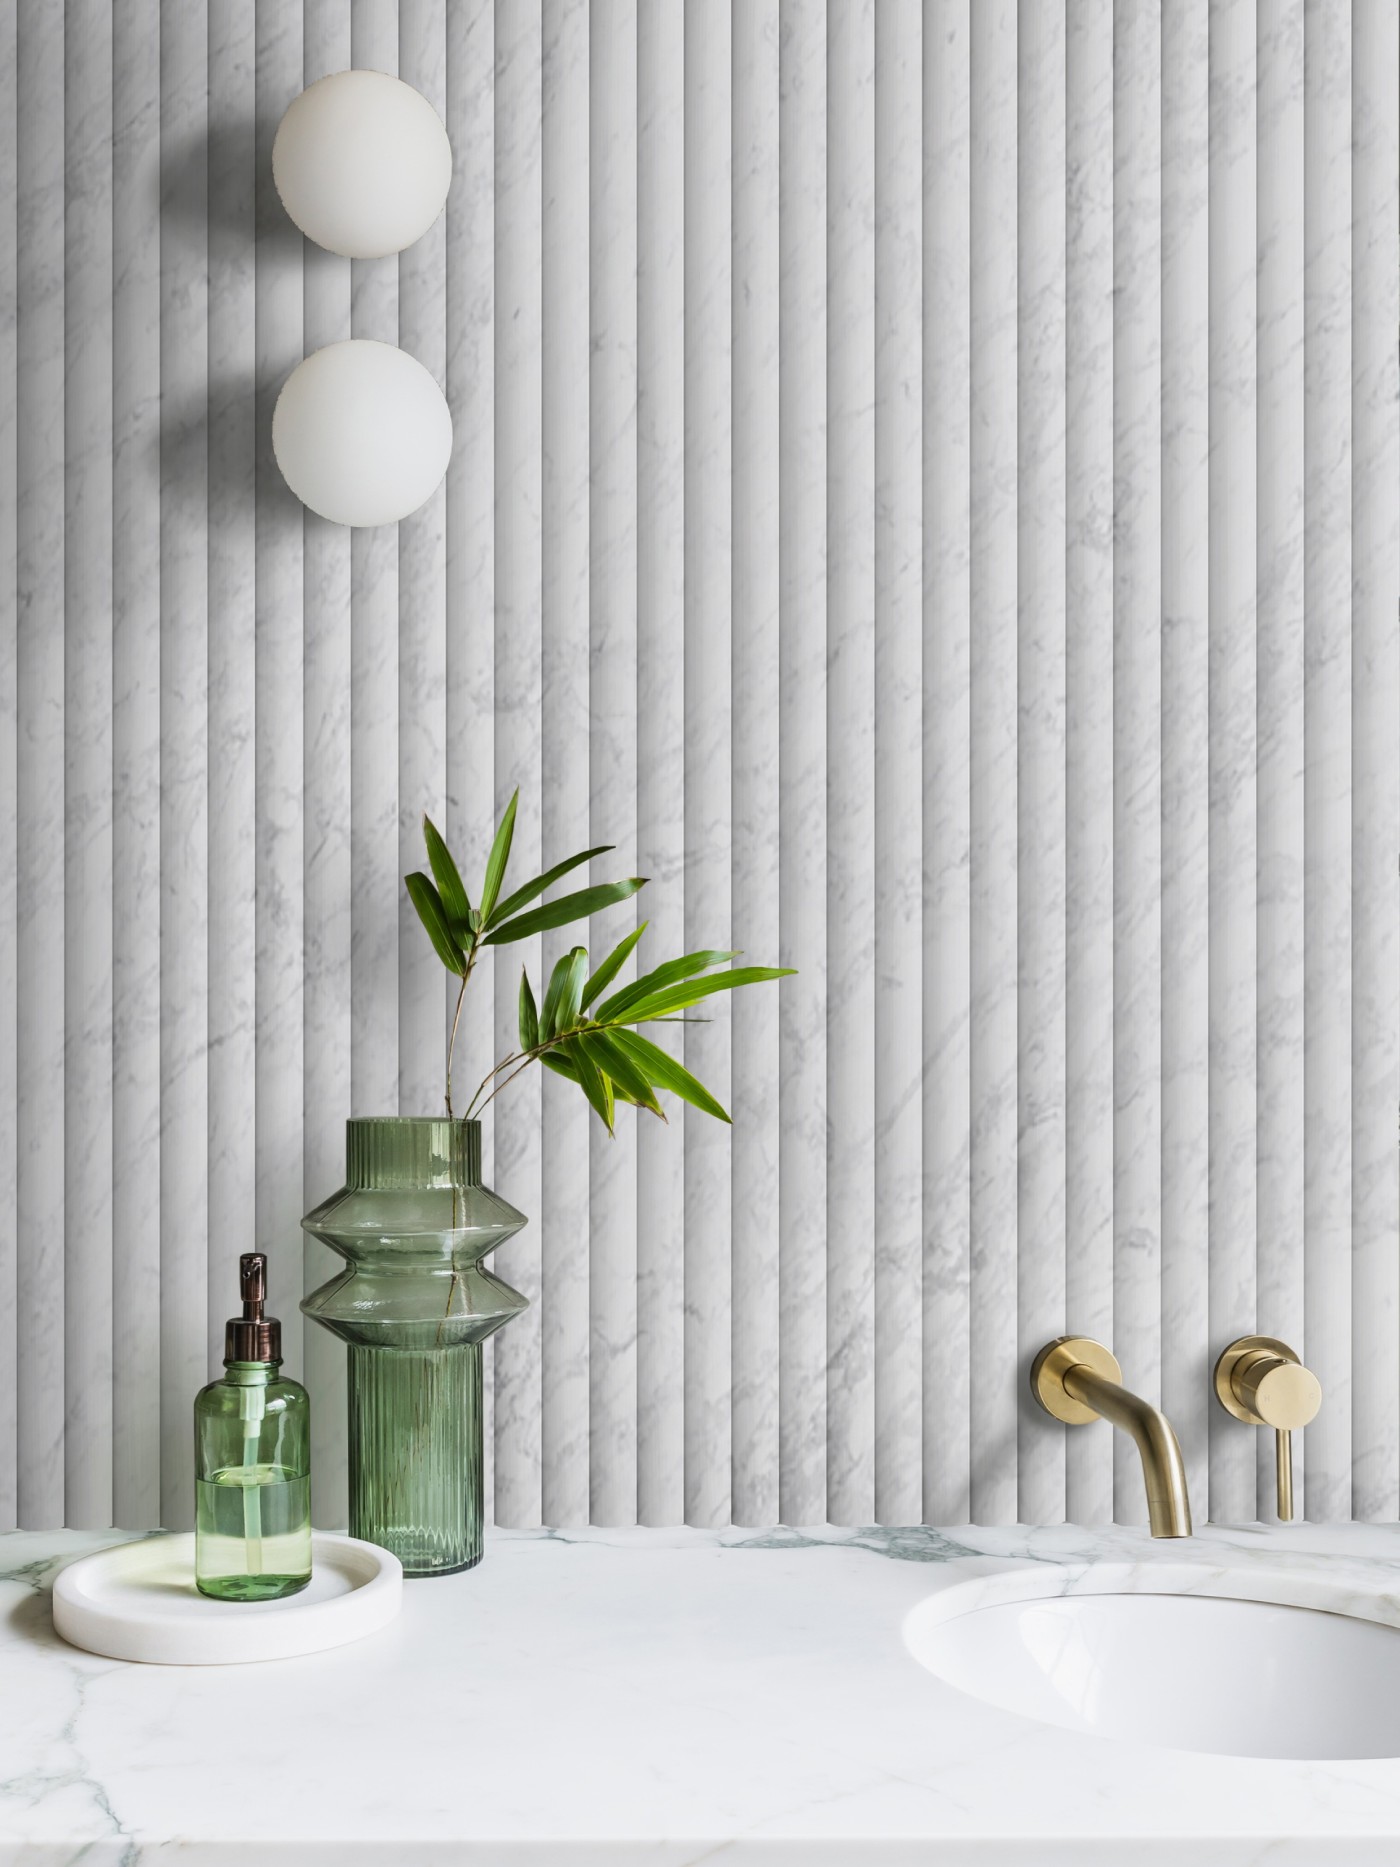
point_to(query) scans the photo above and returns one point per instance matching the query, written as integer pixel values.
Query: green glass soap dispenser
(252, 1447)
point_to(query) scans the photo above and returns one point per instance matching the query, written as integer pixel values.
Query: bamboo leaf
(670, 974)
(562, 1067)
(592, 1081)
(561, 1000)
(428, 902)
(662, 1069)
(529, 1017)
(691, 991)
(449, 883)
(611, 966)
(614, 1061)
(568, 908)
(499, 857)
(573, 988)
(541, 882)
(554, 993)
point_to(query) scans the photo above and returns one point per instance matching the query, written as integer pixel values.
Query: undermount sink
(1189, 1672)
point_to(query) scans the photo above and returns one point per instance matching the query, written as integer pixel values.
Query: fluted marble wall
(927, 488)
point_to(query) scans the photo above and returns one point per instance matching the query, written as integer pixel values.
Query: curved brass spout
(1077, 1380)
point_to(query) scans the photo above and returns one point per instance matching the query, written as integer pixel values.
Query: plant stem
(456, 1019)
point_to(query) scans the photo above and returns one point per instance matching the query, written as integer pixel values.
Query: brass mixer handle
(1279, 1393)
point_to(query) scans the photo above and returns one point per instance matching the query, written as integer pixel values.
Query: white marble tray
(138, 1601)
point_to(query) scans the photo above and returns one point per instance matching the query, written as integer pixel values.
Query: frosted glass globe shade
(362, 163)
(362, 433)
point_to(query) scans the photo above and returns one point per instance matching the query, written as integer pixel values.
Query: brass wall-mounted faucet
(1262, 1382)
(1077, 1380)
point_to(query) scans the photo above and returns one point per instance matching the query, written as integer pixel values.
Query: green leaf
(614, 1061)
(568, 908)
(449, 882)
(592, 1081)
(670, 974)
(562, 1067)
(662, 1069)
(499, 857)
(679, 997)
(611, 966)
(433, 916)
(541, 882)
(529, 1017)
(573, 988)
(560, 1000)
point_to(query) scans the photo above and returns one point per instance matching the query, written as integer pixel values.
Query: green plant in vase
(415, 1224)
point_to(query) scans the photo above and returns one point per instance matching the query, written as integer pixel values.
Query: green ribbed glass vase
(415, 1303)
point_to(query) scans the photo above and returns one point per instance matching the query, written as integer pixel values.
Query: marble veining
(924, 491)
(675, 1696)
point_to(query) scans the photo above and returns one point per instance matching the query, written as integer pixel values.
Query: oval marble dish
(138, 1601)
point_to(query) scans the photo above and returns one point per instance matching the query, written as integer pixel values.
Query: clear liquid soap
(252, 1439)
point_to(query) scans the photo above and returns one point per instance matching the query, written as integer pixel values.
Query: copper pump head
(252, 1336)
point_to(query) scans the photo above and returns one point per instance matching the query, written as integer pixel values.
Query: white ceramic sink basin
(1241, 1678)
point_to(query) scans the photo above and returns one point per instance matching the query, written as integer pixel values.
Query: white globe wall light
(362, 163)
(362, 433)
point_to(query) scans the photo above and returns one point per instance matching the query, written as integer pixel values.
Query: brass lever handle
(1262, 1382)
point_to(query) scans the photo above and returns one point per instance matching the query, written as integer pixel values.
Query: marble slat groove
(708, 467)
(610, 732)
(1089, 313)
(755, 861)
(1041, 857)
(566, 1242)
(660, 728)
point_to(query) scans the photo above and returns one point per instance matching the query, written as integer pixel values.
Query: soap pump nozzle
(252, 1336)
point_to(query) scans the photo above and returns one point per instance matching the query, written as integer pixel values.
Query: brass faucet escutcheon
(1077, 1380)
(1262, 1382)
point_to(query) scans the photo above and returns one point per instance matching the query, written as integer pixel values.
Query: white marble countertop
(661, 1697)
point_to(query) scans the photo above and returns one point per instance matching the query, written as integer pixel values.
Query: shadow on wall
(217, 199)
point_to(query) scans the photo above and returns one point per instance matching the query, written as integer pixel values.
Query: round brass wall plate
(1246, 1349)
(1052, 1364)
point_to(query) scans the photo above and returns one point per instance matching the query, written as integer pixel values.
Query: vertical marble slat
(279, 589)
(1375, 315)
(947, 341)
(802, 402)
(610, 743)
(1089, 721)
(136, 762)
(184, 740)
(1233, 727)
(898, 618)
(1042, 511)
(233, 573)
(9, 772)
(1185, 660)
(994, 1392)
(708, 589)
(326, 886)
(1281, 448)
(1327, 771)
(87, 720)
(470, 531)
(425, 999)
(757, 799)
(40, 1216)
(850, 763)
(377, 880)
(660, 726)
(564, 1241)
(1137, 558)
(519, 674)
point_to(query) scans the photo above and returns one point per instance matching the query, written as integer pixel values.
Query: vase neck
(409, 1150)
